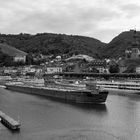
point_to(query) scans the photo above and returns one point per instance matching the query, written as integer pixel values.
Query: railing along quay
(98, 75)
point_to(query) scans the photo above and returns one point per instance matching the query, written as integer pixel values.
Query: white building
(138, 69)
(19, 58)
(52, 69)
(9, 71)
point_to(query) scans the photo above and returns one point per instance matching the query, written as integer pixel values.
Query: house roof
(11, 51)
(80, 56)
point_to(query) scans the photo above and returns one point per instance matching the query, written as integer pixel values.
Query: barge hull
(68, 96)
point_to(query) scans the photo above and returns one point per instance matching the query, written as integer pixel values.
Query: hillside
(47, 43)
(6, 54)
(10, 51)
(58, 44)
(119, 44)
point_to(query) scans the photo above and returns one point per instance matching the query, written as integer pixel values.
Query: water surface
(44, 119)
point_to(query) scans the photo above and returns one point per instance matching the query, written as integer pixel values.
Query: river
(43, 119)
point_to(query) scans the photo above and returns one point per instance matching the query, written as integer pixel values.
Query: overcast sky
(101, 19)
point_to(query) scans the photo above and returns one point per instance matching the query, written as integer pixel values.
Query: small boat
(9, 122)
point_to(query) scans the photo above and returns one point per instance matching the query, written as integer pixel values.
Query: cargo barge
(9, 122)
(68, 92)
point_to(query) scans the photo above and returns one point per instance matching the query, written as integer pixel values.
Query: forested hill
(116, 48)
(57, 44)
(48, 43)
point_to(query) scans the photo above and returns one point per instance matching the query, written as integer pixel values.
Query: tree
(114, 67)
(5, 60)
(131, 69)
(29, 59)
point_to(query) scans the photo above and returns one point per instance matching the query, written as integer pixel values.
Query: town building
(9, 71)
(131, 61)
(19, 58)
(95, 66)
(132, 53)
(100, 65)
(138, 69)
(53, 69)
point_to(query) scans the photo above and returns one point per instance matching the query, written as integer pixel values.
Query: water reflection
(99, 108)
(90, 107)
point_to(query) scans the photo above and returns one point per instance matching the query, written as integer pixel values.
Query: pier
(9, 122)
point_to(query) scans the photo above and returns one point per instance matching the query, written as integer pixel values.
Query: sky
(100, 19)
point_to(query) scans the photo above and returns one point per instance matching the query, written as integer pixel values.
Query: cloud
(131, 10)
(95, 18)
(71, 19)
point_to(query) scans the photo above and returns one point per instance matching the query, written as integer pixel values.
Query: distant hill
(58, 44)
(48, 43)
(116, 48)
